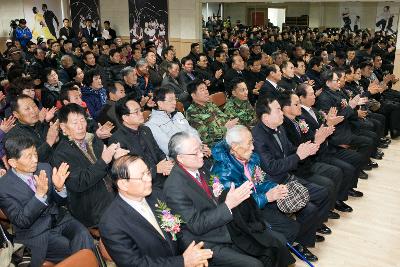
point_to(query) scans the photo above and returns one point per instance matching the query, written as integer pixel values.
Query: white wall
(212, 9)
(117, 12)
(277, 16)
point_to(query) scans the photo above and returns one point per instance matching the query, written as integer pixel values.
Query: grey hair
(234, 135)
(126, 71)
(177, 141)
(141, 62)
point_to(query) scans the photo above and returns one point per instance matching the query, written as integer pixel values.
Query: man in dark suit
(138, 139)
(89, 32)
(270, 88)
(279, 158)
(131, 228)
(49, 16)
(89, 185)
(31, 195)
(330, 176)
(236, 70)
(29, 124)
(343, 135)
(187, 74)
(171, 81)
(188, 194)
(67, 31)
(348, 160)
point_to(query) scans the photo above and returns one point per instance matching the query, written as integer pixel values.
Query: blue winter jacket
(228, 169)
(94, 99)
(19, 34)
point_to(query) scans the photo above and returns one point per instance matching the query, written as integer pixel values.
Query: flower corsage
(216, 185)
(303, 126)
(258, 175)
(169, 223)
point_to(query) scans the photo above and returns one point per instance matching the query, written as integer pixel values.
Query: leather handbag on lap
(297, 197)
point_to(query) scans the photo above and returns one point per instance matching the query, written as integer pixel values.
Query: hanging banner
(148, 20)
(82, 10)
(387, 16)
(350, 16)
(43, 18)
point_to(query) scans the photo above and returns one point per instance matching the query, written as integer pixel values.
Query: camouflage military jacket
(209, 121)
(235, 108)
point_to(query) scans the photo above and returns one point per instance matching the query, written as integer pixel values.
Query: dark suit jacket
(132, 241)
(288, 84)
(275, 162)
(180, 91)
(88, 188)
(89, 36)
(328, 99)
(269, 91)
(152, 155)
(69, 33)
(229, 76)
(38, 133)
(205, 220)
(30, 217)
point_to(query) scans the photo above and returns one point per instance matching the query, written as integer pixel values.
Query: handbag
(6, 249)
(297, 197)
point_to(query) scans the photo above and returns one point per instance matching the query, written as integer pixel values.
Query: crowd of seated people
(191, 162)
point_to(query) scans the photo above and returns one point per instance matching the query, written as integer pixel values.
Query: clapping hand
(104, 131)
(307, 149)
(276, 193)
(196, 256)
(7, 124)
(109, 152)
(52, 133)
(60, 175)
(229, 124)
(42, 185)
(50, 114)
(236, 196)
(165, 166)
(322, 133)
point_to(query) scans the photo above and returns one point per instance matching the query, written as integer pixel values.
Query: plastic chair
(218, 99)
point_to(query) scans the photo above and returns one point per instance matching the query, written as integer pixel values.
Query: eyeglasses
(197, 153)
(337, 80)
(146, 174)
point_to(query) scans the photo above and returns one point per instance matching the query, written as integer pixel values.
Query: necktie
(151, 217)
(191, 76)
(312, 113)
(31, 183)
(297, 127)
(278, 140)
(198, 177)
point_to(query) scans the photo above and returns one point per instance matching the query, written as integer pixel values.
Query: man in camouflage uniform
(209, 121)
(238, 106)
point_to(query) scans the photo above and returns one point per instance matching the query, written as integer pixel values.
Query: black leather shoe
(385, 140)
(383, 145)
(363, 175)
(343, 207)
(324, 230)
(319, 238)
(306, 253)
(367, 168)
(378, 155)
(333, 215)
(355, 193)
(373, 164)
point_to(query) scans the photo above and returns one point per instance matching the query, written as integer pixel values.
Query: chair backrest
(180, 107)
(84, 257)
(146, 115)
(103, 251)
(218, 99)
